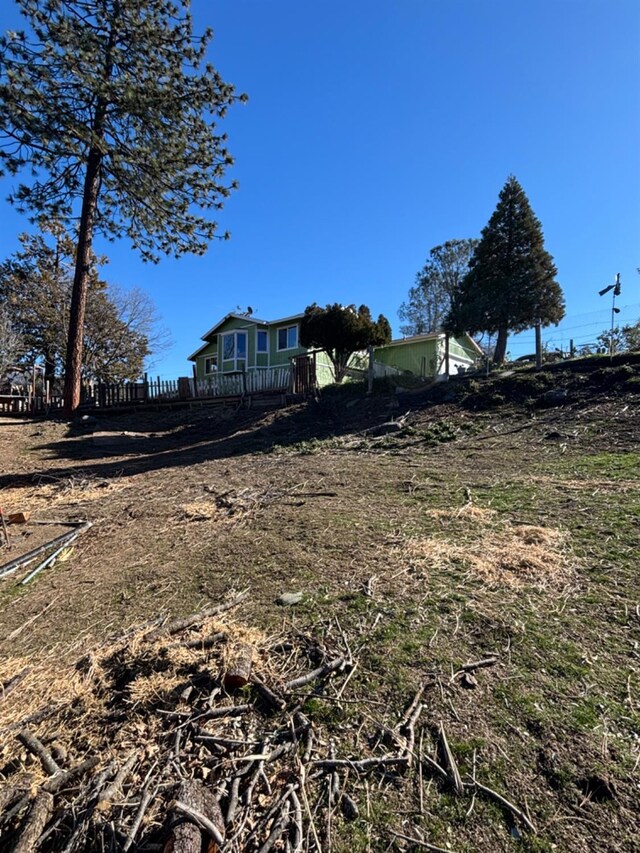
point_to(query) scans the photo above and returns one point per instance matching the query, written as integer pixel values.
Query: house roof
(233, 315)
(249, 318)
(431, 336)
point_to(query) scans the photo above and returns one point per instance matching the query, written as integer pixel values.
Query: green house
(243, 354)
(257, 355)
(427, 355)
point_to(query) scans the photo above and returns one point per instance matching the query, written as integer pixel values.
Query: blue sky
(377, 130)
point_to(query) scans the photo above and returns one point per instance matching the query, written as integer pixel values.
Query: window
(228, 347)
(234, 349)
(261, 342)
(288, 337)
(210, 364)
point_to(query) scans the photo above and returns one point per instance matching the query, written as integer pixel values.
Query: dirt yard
(508, 532)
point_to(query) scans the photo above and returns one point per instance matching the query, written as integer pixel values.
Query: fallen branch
(13, 682)
(62, 779)
(278, 828)
(113, 790)
(272, 699)
(145, 801)
(476, 664)
(362, 766)
(502, 801)
(320, 672)
(39, 814)
(454, 773)
(418, 842)
(193, 619)
(38, 749)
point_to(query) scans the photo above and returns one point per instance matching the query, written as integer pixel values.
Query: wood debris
(170, 742)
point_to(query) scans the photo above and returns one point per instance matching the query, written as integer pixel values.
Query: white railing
(251, 382)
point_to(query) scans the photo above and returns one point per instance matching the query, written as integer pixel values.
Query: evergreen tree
(341, 330)
(511, 282)
(436, 285)
(110, 105)
(120, 327)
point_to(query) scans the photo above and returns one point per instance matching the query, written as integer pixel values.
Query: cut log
(195, 809)
(36, 820)
(238, 670)
(18, 517)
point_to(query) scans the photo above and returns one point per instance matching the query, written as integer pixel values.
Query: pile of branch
(198, 734)
(242, 504)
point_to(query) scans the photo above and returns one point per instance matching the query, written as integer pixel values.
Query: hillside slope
(500, 522)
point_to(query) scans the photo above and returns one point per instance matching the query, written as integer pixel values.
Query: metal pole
(538, 343)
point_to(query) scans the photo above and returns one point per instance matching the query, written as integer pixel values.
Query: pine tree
(109, 103)
(511, 282)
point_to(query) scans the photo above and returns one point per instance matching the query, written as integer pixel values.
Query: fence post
(195, 380)
(370, 372)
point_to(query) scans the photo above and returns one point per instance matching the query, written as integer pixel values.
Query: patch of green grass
(610, 466)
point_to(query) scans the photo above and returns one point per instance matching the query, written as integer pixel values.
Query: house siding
(280, 358)
(426, 357)
(419, 357)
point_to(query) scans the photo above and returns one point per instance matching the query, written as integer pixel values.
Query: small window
(261, 342)
(288, 337)
(211, 364)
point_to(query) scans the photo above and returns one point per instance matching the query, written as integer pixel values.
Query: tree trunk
(501, 346)
(238, 670)
(49, 367)
(73, 365)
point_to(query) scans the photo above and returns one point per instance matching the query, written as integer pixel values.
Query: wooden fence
(100, 395)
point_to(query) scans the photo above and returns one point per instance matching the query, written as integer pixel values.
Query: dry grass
(514, 557)
(72, 490)
(146, 675)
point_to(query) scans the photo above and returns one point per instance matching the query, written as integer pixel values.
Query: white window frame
(266, 342)
(214, 360)
(239, 363)
(287, 328)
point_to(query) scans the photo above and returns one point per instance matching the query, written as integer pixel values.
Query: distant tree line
(121, 327)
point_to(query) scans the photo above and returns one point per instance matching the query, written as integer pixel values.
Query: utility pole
(616, 292)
